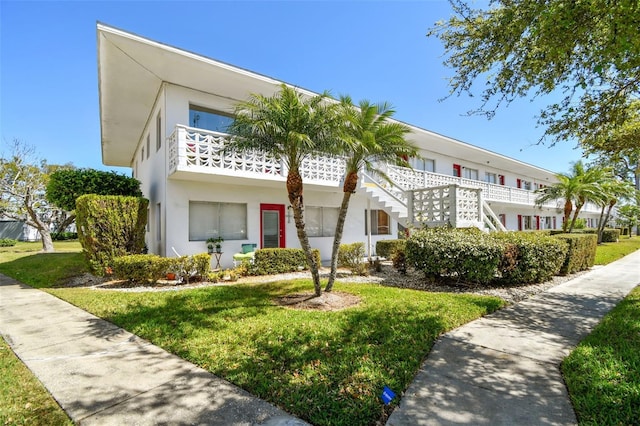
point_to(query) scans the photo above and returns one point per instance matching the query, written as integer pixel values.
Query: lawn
(23, 399)
(325, 367)
(610, 252)
(603, 372)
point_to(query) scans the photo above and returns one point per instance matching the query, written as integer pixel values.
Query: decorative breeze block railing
(201, 150)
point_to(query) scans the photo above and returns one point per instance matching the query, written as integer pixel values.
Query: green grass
(27, 263)
(603, 372)
(23, 399)
(610, 252)
(325, 367)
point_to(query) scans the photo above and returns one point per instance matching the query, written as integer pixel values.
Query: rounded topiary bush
(460, 254)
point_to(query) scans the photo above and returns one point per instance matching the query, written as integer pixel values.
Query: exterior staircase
(447, 205)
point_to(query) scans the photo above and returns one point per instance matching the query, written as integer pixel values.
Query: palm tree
(613, 190)
(577, 187)
(290, 127)
(368, 138)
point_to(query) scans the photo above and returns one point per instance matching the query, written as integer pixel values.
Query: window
(148, 145)
(470, 173)
(380, 222)
(207, 119)
(503, 219)
(527, 223)
(524, 184)
(490, 178)
(210, 219)
(321, 221)
(423, 164)
(457, 170)
(548, 222)
(158, 131)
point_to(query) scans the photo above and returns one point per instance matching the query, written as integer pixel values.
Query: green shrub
(192, 267)
(110, 227)
(462, 254)
(140, 268)
(399, 259)
(8, 242)
(529, 257)
(350, 256)
(581, 252)
(281, 260)
(610, 235)
(64, 236)
(386, 248)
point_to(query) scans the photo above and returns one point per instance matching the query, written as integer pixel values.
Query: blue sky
(368, 50)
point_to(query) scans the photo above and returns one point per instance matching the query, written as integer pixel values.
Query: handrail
(385, 190)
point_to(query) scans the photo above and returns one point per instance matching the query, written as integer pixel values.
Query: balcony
(408, 179)
(196, 151)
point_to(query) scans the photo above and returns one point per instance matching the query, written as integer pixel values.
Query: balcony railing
(198, 150)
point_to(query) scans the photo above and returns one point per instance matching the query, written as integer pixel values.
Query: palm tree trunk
(575, 215)
(601, 224)
(337, 238)
(306, 247)
(568, 206)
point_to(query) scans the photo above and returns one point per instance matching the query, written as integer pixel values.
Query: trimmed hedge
(464, 255)
(149, 268)
(350, 256)
(281, 260)
(386, 248)
(581, 252)
(140, 268)
(8, 242)
(530, 257)
(110, 226)
(610, 235)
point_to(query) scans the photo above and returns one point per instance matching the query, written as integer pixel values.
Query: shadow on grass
(325, 367)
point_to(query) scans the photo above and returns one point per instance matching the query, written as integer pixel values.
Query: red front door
(272, 230)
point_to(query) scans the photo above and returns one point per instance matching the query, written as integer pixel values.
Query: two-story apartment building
(164, 113)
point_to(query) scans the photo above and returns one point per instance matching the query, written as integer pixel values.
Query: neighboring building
(17, 230)
(164, 112)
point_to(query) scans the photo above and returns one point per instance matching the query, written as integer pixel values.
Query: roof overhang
(132, 69)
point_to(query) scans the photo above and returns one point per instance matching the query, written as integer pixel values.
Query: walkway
(504, 369)
(103, 375)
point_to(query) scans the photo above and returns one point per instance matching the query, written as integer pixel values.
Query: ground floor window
(321, 221)
(380, 222)
(212, 219)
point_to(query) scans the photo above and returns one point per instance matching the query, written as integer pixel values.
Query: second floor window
(471, 173)
(490, 178)
(423, 164)
(203, 118)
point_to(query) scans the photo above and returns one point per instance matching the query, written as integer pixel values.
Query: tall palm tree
(368, 139)
(577, 187)
(291, 127)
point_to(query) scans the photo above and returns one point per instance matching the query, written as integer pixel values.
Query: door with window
(272, 231)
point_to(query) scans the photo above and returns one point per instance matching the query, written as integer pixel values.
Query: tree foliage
(66, 185)
(367, 138)
(23, 180)
(588, 51)
(575, 188)
(291, 127)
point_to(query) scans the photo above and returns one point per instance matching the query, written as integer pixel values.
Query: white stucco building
(164, 111)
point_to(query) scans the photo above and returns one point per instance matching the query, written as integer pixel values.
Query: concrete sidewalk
(103, 375)
(504, 369)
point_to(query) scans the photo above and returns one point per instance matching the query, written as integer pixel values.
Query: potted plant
(214, 242)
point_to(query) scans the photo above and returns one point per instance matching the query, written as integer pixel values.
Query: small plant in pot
(214, 242)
